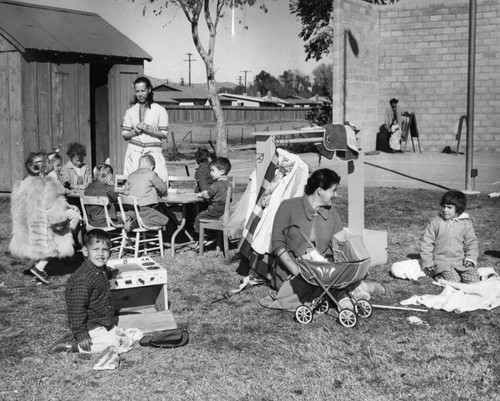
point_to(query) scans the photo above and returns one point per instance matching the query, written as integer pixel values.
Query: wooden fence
(204, 114)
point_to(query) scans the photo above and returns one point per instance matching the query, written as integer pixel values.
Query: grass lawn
(239, 350)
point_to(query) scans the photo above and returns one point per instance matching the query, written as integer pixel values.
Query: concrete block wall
(422, 54)
(356, 60)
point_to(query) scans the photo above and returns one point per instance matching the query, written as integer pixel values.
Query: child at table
(102, 186)
(216, 193)
(75, 174)
(202, 173)
(147, 186)
(56, 161)
(449, 247)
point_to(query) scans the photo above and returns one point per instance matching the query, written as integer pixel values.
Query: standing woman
(144, 126)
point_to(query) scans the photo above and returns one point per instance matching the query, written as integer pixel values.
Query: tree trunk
(221, 147)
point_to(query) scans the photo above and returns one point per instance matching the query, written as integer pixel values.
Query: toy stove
(136, 272)
(139, 294)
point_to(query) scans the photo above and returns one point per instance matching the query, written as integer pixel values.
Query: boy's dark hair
(96, 235)
(202, 155)
(455, 198)
(212, 157)
(75, 149)
(222, 163)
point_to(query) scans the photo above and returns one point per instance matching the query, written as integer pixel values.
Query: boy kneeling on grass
(90, 313)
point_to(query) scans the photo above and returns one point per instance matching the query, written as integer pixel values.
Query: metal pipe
(470, 97)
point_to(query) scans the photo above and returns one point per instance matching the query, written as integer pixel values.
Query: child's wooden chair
(217, 225)
(144, 234)
(111, 227)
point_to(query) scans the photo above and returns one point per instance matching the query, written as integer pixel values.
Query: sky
(270, 42)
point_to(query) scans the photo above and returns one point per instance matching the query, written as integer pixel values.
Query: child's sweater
(447, 244)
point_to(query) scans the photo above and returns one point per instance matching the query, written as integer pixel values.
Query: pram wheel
(363, 308)
(347, 318)
(303, 314)
(322, 305)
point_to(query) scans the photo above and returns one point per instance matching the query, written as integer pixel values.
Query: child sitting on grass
(449, 247)
(91, 316)
(102, 186)
(216, 193)
(75, 174)
(146, 185)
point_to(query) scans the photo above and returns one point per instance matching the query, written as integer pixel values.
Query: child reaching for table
(216, 193)
(449, 247)
(202, 173)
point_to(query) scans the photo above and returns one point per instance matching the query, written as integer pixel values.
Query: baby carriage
(350, 265)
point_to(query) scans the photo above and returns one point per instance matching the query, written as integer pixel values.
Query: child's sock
(41, 265)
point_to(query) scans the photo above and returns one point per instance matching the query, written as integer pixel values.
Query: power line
(190, 60)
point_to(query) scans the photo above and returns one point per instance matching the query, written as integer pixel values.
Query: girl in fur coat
(41, 217)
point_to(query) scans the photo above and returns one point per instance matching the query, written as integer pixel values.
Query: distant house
(166, 94)
(299, 101)
(252, 101)
(65, 76)
(320, 99)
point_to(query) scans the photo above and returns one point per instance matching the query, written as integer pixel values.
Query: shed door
(121, 92)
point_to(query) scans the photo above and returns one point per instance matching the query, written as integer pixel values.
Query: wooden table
(183, 200)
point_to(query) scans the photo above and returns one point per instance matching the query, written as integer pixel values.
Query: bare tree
(211, 11)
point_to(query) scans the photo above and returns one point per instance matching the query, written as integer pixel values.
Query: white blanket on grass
(460, 297)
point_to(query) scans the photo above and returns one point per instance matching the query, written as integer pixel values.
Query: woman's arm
(288, 261)
(154, 132)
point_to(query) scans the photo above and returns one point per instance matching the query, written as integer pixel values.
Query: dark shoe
(40, 275)
(66, 343)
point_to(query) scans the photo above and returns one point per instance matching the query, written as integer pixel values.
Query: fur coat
(40, 224)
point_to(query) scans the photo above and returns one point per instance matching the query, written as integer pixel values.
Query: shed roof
(43, 28)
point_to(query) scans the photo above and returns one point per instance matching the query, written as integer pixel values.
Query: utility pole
(245, 72)
(470, 172)
(189, 60)
(239, 80)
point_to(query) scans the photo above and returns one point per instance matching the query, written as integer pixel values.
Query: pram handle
(335, 252)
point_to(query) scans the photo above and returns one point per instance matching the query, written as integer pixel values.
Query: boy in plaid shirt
(88, 297)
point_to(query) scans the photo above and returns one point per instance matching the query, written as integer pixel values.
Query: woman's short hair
(144, 80)
(323, 178)
(104, 173)
(455, 198)
(76, 149)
